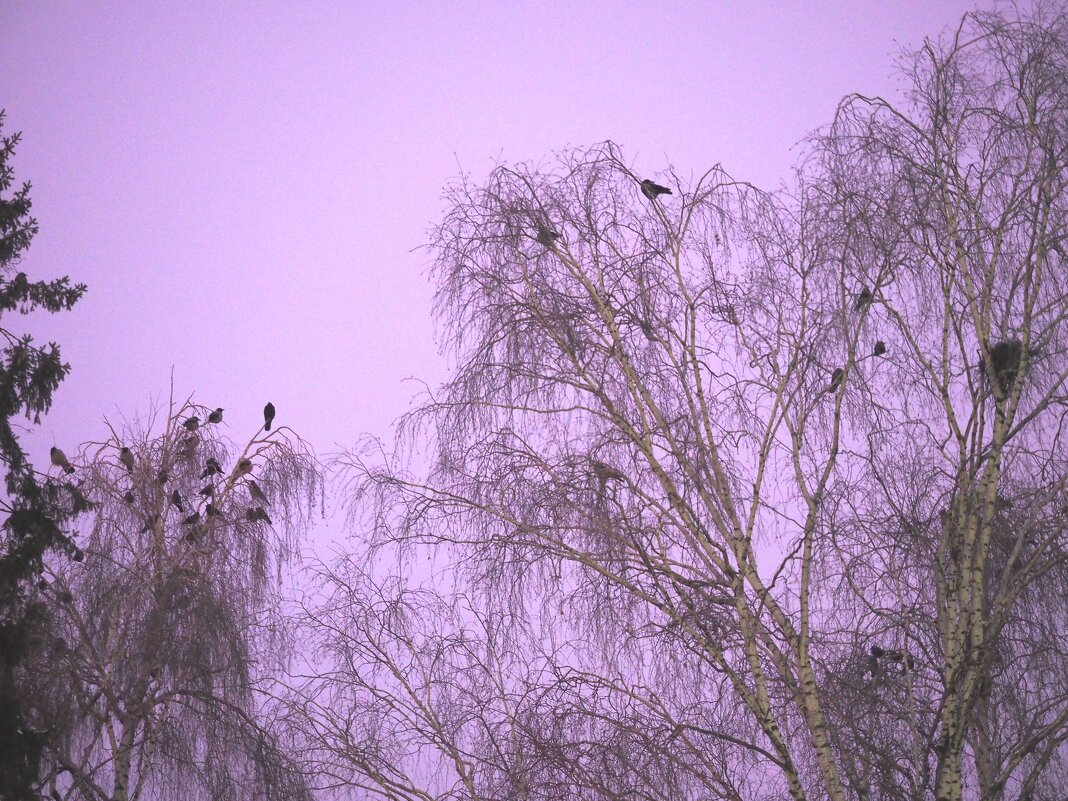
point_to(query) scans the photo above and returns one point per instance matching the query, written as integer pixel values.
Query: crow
(880, 348)
(652, 190)
(836, 380)
(546, 236)
(605, 473)
(59, 459)
(255, 492)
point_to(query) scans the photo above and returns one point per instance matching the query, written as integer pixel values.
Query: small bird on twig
(216, 416)
(212, 468)
(176, 499)
(606, 473)
(191, 423)
(127, 458)
(880, 348)
(268, 416)
(863, 299)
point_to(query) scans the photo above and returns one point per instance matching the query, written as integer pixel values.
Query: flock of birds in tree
(187, 450)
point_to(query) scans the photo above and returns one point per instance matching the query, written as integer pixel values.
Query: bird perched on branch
(176, 499)
(606, 473)
(880, 348)
(255, 492)
(652, 190)
(129, 496)
(212, 468)
(836, 380)
(212, 510)
(863, 299)
(59, 459)
(127, 458)
(208, 491)
(216, 416)
(191, 423)
(256, 514)
(244, 467)
(268, 416)
(191, 519)
(162, 476)
(546, 236)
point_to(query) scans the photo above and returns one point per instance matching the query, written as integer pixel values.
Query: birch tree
(790, 465)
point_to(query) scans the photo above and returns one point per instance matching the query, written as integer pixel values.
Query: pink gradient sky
(243, 187)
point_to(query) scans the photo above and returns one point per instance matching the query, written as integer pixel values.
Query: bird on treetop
(59, 459)
(863, 299)
(268, 416)
(880, 348)
(652, 190)
(191, 423)
(216, 416)
(546, 236)
(127, 458)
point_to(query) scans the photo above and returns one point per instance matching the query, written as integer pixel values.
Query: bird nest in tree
(1005, 357)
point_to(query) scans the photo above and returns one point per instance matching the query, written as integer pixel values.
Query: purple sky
(243, 187)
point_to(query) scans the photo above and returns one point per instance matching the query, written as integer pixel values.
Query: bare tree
(790, 465)
(170, 628)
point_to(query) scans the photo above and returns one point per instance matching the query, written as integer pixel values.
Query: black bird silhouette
(191, 423)
(255, 492)
(216, 416)
(129, 496)
(546, 236)
(163, 475)
(877, 652)
(59, 459)
(268, 416)
(208, 491)
(863, 299)
(193, 518)
(212, 468)
(212, 510)
(880, 348)
(176, 499)
(836, 380)
(652, 190)
(127, 458)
